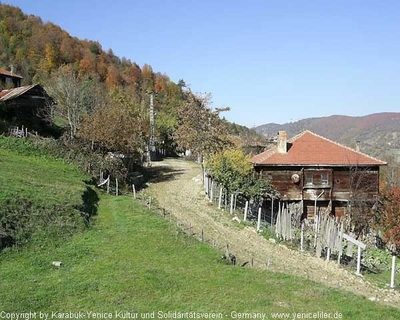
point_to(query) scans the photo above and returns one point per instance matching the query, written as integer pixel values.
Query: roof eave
(319, 165)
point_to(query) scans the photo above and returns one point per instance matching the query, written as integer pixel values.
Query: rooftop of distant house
(310, 149)
(10, 73)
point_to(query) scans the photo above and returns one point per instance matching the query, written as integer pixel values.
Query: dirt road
(177, 187)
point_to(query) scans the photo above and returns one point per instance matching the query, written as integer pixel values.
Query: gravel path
(177, 187)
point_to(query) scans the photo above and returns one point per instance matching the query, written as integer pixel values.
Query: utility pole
(152, 146)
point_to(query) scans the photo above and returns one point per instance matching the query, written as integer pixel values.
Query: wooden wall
(343, 184)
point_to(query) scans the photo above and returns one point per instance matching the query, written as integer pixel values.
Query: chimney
(358, 144)
(282, 142)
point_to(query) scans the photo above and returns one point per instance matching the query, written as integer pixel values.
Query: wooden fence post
(393, 271)
(116, 187)
(231, 209)
(259, 219)
(302, 236)
(212, 191)
(220, 198)
(272, 212)
(108, 185)
(246, 208)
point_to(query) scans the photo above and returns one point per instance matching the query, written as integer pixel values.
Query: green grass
(130, 259)
(134, 260)
(26, 172)
(41, 197)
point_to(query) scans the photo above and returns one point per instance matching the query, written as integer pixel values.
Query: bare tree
(363, 186)
(67, 90)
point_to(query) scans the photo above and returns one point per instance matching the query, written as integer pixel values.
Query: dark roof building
(26, 106)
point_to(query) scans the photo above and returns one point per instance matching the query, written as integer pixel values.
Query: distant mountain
(378, 133)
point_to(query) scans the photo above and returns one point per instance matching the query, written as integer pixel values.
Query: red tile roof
(310, 149)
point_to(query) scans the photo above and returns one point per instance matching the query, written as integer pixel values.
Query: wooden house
(8, 79)
(319, 174)
(26, 106)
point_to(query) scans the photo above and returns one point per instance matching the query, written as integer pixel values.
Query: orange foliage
(390, 211)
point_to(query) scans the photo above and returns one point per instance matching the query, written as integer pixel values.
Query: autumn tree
(118, 125)
(389, 215)
(200, 129)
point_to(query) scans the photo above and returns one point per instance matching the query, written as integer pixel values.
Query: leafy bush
(377, 260)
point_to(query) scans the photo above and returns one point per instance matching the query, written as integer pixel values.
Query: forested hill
(379, 133)
(112, 94)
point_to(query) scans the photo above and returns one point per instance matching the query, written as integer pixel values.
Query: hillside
(378, 133)
(42, 198)
(105, 87)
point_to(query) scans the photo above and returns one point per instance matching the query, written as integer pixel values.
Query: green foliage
(234, 171)
(377, 259)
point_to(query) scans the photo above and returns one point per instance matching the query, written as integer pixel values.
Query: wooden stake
(259, 219)
(134, 191)
(231, 209)
(220, 198)
(246, 208)
(340, 244)
(358, 261)
(272, 212)
(302, 237)
(393, 271)
(116, 187)
(212, 191)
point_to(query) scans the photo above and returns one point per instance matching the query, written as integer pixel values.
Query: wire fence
(324, 236)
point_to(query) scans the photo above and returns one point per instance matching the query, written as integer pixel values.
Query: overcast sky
(269, 61)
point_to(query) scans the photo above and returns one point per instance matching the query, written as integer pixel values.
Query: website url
(306, 315)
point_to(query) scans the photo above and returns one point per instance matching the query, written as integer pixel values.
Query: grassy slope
(49, 195)
(27, 173)
(133, 260)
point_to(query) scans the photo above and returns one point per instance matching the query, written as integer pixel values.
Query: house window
(324, 178)
(309, 178)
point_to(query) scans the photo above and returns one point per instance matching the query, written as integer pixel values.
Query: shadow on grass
(89, 207)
